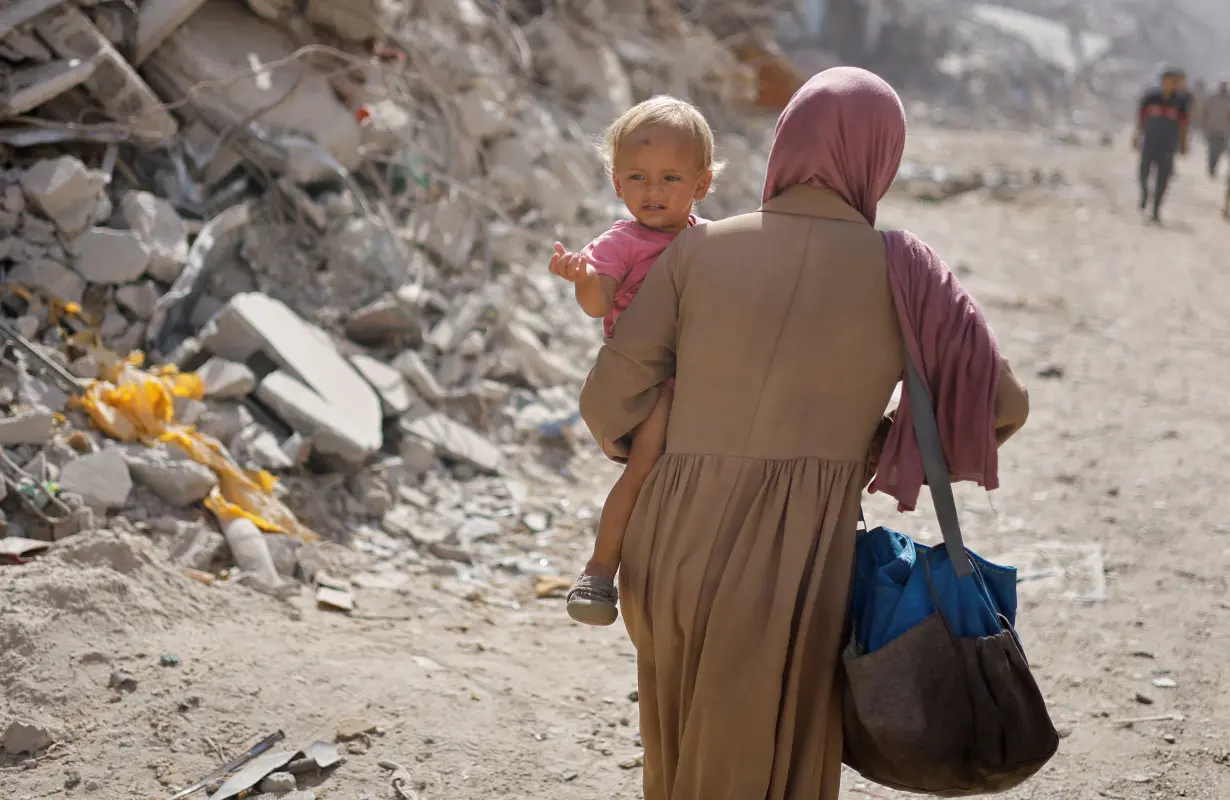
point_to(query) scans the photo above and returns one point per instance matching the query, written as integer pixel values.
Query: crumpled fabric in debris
(131, 404)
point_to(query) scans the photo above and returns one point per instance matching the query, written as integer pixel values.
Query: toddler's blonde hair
(669, 112)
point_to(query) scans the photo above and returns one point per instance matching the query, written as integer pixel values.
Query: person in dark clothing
(1161, 132)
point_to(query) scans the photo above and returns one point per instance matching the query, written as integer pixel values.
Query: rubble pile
(274, 270)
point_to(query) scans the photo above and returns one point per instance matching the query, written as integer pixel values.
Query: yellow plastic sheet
(131, 404)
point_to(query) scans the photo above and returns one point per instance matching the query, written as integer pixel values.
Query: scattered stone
(454, 440)
(396, 397)
(122, 681)
(101, 478)
(1165, 682)
(155, 221)
(349, 728)
(197, 547)
(170, 473)
(411, 365)
(223, 378)
(111, 257)
(278, 783)
(49, 278)
(22, 737)
(418, 456)
(27, 427)
(1144, 699)
(138, 299)
(65, 191)
(168, 660)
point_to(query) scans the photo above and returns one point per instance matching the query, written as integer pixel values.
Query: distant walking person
(1161, 132)
(1215, 121)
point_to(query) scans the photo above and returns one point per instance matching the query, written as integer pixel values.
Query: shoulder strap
(935, 467)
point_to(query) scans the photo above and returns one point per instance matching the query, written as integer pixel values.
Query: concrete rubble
(333, 227)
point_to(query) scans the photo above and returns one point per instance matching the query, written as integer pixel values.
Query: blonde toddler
(660, 157)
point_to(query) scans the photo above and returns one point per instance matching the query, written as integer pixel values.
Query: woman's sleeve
(634, 363)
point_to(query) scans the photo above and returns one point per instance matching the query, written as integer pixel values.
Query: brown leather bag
(935, 713)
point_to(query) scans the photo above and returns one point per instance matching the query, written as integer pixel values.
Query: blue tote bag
(938, 696)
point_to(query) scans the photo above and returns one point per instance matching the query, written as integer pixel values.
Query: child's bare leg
(592, 600)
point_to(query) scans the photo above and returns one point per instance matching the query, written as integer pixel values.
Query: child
(660, 154)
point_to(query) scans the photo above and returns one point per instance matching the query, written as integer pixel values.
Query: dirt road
(1112, 506)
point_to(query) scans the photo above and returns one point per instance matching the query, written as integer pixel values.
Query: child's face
(657, 176)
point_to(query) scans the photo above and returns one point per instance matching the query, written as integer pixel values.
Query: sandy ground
(1112, 506)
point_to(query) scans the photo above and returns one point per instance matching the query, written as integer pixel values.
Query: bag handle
(935, 467)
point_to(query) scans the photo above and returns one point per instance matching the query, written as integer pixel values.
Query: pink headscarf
(843, 130)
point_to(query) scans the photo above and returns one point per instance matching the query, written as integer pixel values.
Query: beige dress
(780, 330)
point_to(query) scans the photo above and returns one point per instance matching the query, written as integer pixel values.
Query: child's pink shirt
(626, 253)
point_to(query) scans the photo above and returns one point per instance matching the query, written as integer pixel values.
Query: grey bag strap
(935, 467)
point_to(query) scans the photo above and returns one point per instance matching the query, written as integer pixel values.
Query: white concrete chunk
(412, 366)
(100, 478)
(170, 474)
(64, 191)
(223, 378)
(138, 299)
(396, 396)
(30, 427)
(158, 225)
(315, 390)
(110, 256)
(454, 440)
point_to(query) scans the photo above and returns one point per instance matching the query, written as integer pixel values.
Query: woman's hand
(877, 448)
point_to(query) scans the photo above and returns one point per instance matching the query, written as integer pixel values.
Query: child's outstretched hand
(572, 267)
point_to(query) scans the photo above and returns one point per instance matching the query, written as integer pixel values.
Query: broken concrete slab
(101, 478)
(50, 279)
(65, 192)
(138, 299)
(418, 455)
(396, 396)
(28, 427)
(414, 369)
(314, 390)
(157, 20)
(170, 473)
(19, 12)
(30, 87)
(256, 446)
(156, 222)
(226, 379)
(454, 440)
(108, 256)
(382, 320)
(114, 84)
(212, 56)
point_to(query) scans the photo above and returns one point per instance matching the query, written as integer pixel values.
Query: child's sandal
(591, 600)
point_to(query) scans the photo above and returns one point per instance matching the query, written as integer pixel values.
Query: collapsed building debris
(272, 271)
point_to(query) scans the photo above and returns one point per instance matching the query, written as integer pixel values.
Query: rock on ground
(170, 474)
(65, 191)
(101, 478)
(111, 257)
(158, 225)
(22, 737)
